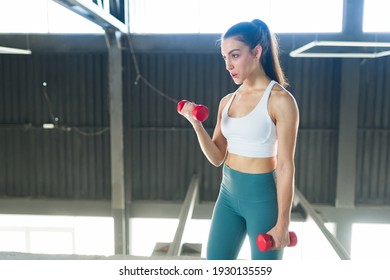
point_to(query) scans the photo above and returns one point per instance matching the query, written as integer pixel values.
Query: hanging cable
(55, 120)
(142, 78)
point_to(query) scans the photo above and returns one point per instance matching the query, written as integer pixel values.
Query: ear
(257, 51)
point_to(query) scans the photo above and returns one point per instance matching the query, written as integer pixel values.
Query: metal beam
(94, 13)
(348, 134)
(184, 216)
(101, 16)
(7, 50)
(116, 142)
(353, 19)
(339, 249)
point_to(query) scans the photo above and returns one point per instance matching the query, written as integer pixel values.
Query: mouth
(233, 75)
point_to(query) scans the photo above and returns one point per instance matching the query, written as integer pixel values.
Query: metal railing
(185, 215)
(336, 245)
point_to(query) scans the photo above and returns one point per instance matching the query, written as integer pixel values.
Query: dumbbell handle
(200, 112)
(265, 242)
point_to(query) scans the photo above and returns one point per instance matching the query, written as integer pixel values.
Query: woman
(255, 139)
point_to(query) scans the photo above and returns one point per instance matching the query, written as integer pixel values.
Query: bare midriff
(250, 165)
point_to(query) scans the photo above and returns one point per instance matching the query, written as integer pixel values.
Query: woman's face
(240, 61)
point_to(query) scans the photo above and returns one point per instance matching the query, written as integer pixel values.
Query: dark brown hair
(256, 33)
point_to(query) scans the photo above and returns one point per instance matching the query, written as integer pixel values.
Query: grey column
(349, 102)
(348, 131)
(116, 141)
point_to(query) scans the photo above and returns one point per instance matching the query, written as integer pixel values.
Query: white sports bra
(253, 135)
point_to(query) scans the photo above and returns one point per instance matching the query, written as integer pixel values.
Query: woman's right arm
(213, 148)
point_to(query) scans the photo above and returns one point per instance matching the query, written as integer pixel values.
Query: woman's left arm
(284, 111)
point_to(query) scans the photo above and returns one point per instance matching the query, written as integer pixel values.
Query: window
(42, 16)
(204, 16)
(178, 16)
(375, 16)
(43, 234)
(370, 241)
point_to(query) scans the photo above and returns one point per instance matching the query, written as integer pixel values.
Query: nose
(229, 66)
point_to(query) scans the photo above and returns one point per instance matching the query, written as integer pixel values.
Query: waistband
(260, 186)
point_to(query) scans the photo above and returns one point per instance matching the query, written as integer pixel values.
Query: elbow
(217, 161)
(217, 156)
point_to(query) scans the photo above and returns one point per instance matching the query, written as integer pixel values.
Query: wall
(161, 152)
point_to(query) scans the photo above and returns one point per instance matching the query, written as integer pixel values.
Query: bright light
(204, 16)
(145, 233)
(303, 51)
(376, 16)
(306, 16)
(57, 234)
(23, 16)
(63, 20)
(95, 236)
(42, 16)
(195, 16)
(370, 242)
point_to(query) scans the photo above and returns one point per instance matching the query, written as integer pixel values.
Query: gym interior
(96, 163)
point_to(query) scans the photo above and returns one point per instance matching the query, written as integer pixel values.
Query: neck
(257, 80)
(256, 84)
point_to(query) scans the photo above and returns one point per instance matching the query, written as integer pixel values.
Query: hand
(187, 112)
(280, 236)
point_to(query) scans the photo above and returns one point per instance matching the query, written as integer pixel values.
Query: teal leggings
(247, 204)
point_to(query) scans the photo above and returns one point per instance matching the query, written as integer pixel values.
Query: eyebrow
(233, 50)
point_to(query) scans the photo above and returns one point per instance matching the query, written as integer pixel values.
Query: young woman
(255, 139)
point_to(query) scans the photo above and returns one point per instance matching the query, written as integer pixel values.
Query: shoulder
(280, 94)
(225, 100)
(282, 102)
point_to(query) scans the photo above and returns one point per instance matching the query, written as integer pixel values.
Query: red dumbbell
(200, 112)
(265, 242)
